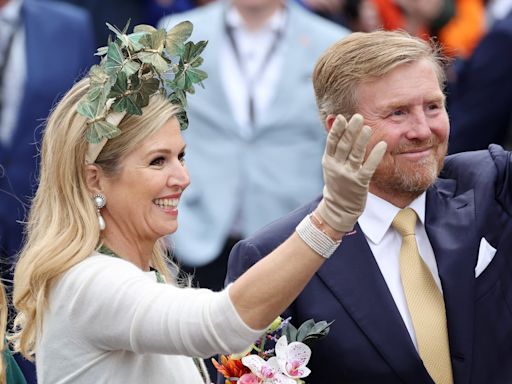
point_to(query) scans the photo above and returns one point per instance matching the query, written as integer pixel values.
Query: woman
(90, 286)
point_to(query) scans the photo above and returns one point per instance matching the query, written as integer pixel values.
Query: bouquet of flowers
(283, 364)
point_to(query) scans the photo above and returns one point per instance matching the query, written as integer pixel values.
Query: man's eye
(158, 161)
(397, 112)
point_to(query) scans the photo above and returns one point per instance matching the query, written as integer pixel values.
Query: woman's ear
(93, 177)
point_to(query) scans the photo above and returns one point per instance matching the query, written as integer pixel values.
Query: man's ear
(93, 177)
(329, 121)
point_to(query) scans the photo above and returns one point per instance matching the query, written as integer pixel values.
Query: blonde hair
(364, 57)
(62, 228)
(3, 324)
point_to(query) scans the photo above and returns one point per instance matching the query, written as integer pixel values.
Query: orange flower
(230, 367)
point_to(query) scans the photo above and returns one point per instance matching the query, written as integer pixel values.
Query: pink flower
(292, 358)
(249, 378)
(267, 371)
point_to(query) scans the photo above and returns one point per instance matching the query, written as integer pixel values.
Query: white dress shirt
(385, 243)
(252, 74)
(15, 71)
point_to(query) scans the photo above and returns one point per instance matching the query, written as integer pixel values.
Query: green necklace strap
(107, 251)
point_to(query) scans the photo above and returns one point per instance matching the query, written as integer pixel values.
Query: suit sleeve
(242, 257)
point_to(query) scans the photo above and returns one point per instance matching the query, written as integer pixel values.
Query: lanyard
(249, 81)
(3, 65)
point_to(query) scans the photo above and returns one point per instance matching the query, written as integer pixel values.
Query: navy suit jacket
(369, 342)
(480, 102)
(59, 49)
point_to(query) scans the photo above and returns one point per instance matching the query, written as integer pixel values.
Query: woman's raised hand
(346, 172)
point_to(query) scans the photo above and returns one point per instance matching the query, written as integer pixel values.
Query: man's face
(405, 108)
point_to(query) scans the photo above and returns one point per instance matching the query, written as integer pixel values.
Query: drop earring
(99, 202)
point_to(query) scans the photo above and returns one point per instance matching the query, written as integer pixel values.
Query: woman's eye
(181, 157)
(158, 161)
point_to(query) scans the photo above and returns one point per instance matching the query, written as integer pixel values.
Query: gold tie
(425, 302)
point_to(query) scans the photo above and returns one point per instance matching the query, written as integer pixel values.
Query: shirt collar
(274, 23)
(379, 214)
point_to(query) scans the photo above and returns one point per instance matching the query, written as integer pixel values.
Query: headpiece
(134, 67)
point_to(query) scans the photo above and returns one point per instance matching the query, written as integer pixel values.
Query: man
(424, 304)
(254, 130)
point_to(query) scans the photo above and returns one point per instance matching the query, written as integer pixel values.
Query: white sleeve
(113, 305)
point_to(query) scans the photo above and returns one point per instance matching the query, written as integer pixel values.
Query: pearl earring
(99, 202)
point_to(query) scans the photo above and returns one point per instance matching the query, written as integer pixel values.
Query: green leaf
(121, 35)
(154, 59)
(192, 51)
(177, 36)
(101, 129)
(196, 75)
(127, 103)
(144, 28)
(115, 59)
(120, 88)
(290, 332)
(154, 41)
(130, 67)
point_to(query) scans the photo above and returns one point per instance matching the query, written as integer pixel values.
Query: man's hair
(364, 57)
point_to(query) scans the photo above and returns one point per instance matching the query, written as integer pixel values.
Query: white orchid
(292, 358)
(267, 371)
(287, 367)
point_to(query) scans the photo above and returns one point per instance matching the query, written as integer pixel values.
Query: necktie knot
(405, 222)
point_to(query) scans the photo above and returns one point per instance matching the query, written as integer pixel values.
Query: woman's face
(142, 200)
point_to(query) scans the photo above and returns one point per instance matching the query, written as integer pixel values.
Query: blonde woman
(96, 301)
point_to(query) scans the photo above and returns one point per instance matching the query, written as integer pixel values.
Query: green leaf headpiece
(134, 67)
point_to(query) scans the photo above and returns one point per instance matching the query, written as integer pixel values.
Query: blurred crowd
(256, 116)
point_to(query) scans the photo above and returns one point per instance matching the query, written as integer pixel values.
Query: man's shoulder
(276, 232)
(482, 164)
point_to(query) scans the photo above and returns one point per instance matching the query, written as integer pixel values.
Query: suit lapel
(355, 279)
(451, 228)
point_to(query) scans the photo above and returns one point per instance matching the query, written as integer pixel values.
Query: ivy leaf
(196, 75)
(154, 59)
(154, 40)
(127, 103)
(114, 59)
(101, 129)
(192, 51)
(130, 67)
(177, 36)
(144, 28)
(121, 35)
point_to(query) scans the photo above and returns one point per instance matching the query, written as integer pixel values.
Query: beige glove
(346, 174)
